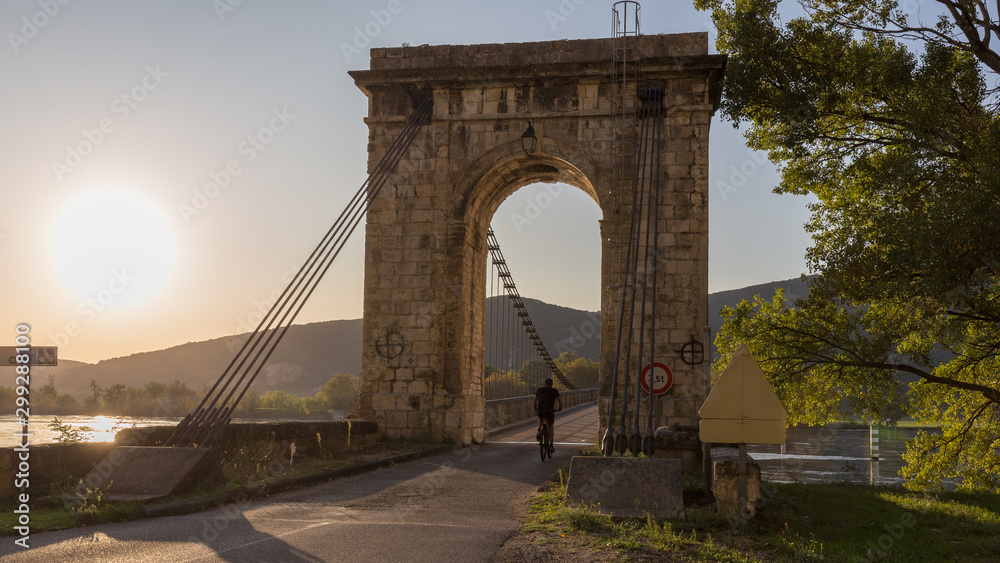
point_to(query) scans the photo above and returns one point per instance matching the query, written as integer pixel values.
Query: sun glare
(112, 247)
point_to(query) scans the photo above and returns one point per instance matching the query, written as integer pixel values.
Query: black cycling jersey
(546, 399)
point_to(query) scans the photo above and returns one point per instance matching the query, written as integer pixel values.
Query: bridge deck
(574, 427)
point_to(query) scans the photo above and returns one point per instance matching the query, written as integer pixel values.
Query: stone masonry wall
(426, 231)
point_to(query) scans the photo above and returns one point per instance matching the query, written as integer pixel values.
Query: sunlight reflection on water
(93, 428)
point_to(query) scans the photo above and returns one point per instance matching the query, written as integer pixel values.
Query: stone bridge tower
(426, 252)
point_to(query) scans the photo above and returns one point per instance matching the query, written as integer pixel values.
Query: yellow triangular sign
(742, 407)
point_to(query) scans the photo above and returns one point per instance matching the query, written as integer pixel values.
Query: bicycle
(544, 444)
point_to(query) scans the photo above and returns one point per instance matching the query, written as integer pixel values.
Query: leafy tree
(891, 123)
(565, 358)
(505, 384)
(534, 371)
(340, 392)
(581, 372)
(115, 398)
(282, 401)
(155, 389)
(181, 398)
(93, 403)
(250, 405)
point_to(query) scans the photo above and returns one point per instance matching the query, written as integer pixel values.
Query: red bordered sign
(663, 379)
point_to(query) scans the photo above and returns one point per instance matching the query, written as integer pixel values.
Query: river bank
(796, 522)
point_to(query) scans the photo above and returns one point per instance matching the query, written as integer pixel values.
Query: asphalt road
(458, 506)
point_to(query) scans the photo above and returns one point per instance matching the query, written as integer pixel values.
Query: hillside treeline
(156, 399)
(502, 384)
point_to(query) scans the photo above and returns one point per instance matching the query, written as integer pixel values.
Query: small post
(706, 467)
(873, 429)
(742, 480)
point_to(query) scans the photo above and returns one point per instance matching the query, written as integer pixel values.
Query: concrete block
(626, 486)
(143, 472)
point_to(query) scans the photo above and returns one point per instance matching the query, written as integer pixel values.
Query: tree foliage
(581, 372)
(340, 392)
(891, 123)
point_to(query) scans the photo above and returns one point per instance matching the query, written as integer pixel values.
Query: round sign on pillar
(662, 378)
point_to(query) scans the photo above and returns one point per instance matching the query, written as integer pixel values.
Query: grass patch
(795, 522)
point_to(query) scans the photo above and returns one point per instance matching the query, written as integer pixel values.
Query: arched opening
(544, 181)
(548, 237)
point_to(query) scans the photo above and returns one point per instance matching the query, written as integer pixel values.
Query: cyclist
(546, 399)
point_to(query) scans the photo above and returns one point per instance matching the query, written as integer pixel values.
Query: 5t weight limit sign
(662, 378)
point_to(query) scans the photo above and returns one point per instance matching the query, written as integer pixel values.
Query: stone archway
(426, 250)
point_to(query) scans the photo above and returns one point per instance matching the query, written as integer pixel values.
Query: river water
(95, 428)
(101, 428)
(834, 454)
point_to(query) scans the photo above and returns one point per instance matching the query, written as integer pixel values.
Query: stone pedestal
(726, 480)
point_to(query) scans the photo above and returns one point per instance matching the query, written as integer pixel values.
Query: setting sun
(112, 245)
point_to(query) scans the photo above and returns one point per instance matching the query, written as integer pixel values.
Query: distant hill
(306, 358)
(795, 288)
(561, 329)
(309, 354)
(43, 373)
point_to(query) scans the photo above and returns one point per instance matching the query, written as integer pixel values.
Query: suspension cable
(522, 312)
(205, 424)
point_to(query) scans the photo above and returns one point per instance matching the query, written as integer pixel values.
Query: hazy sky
(117, 114)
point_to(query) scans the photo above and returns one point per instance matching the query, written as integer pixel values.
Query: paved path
(576, 426)
(458, 506)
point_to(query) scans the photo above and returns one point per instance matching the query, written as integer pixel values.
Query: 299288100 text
(22, 403)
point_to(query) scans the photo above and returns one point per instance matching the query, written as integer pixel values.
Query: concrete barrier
(626, 486)
(51, 463)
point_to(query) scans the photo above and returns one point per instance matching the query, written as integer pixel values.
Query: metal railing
(504, 412)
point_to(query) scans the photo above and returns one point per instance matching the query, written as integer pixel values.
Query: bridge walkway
(576, 426)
